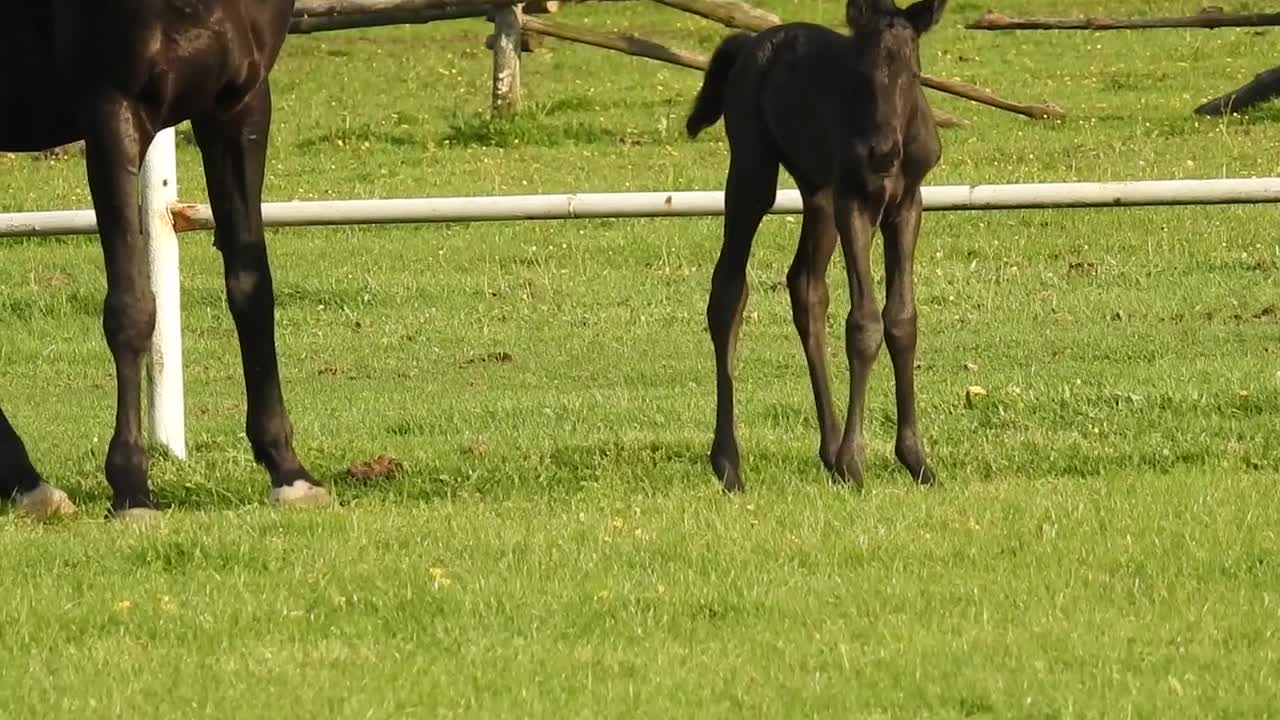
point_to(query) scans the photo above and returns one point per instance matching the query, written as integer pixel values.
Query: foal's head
(886, 67)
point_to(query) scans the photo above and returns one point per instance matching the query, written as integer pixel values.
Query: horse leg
(20, 480)
(117, 136)
(750, 191)
(863, 330)
(900, 230)
(233, 145)
(810, 298)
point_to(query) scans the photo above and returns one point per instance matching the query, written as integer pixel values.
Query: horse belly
(36, 111)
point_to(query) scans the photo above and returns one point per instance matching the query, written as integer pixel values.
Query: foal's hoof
(732, 483)
(924, 477)
(44, 503)
(301, 494)
(136, 516)
(729, 476)
(847, 474)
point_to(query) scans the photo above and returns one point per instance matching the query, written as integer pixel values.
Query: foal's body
(847, 118)
(113, 73)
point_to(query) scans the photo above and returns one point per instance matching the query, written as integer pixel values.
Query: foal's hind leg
(20, 481)
(749, 193)
(234, 147)
(863, 330)
(810, 298)
(900, 230)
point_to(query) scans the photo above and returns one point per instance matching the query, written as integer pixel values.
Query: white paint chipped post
(506, 59)
(159, 184)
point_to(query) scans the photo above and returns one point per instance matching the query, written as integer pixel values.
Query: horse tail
(709, 105)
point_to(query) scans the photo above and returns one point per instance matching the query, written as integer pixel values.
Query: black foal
(846, 116)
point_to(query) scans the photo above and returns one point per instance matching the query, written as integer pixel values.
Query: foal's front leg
(863, 330)
(810, 297)
(900, 230)
(234, 147)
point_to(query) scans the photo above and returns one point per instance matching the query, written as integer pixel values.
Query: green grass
(1105, 543)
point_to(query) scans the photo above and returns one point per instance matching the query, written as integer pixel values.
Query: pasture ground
(1104, 545)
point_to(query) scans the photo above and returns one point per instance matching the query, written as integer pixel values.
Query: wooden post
(506, 59)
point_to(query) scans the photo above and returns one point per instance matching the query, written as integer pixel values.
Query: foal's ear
(858, 12)
(924, 14)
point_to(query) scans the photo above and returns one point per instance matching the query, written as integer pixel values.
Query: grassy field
(1105, 544)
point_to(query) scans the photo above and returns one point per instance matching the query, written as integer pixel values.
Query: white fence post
(164, 365)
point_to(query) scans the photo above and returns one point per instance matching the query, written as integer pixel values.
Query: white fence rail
(164, 217)
(570, 206)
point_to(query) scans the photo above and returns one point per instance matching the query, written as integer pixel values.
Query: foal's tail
(709, 105)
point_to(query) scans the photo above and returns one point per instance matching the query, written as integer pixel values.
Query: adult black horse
(113, 73)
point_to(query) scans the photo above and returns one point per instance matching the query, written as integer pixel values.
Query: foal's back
(176, 58)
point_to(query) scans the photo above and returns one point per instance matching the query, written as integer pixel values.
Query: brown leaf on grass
(54, 280)
(1083, 267)
(382, 467)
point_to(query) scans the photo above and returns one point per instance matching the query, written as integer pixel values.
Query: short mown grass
(1104, 543)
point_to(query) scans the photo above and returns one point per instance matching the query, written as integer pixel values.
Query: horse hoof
(136, 516)
(301, 494)
(44, 503)
(848, 475)
(925, 478)
(731, 484)
(728, 474)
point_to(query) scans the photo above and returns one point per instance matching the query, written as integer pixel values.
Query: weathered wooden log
(305, 25)
(1212, 17)
(730, 13)
(640, 47)
(986, 97)
(945, 119)
(506, 59)
(327, 8)
(1264, 86)
(629, 44)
